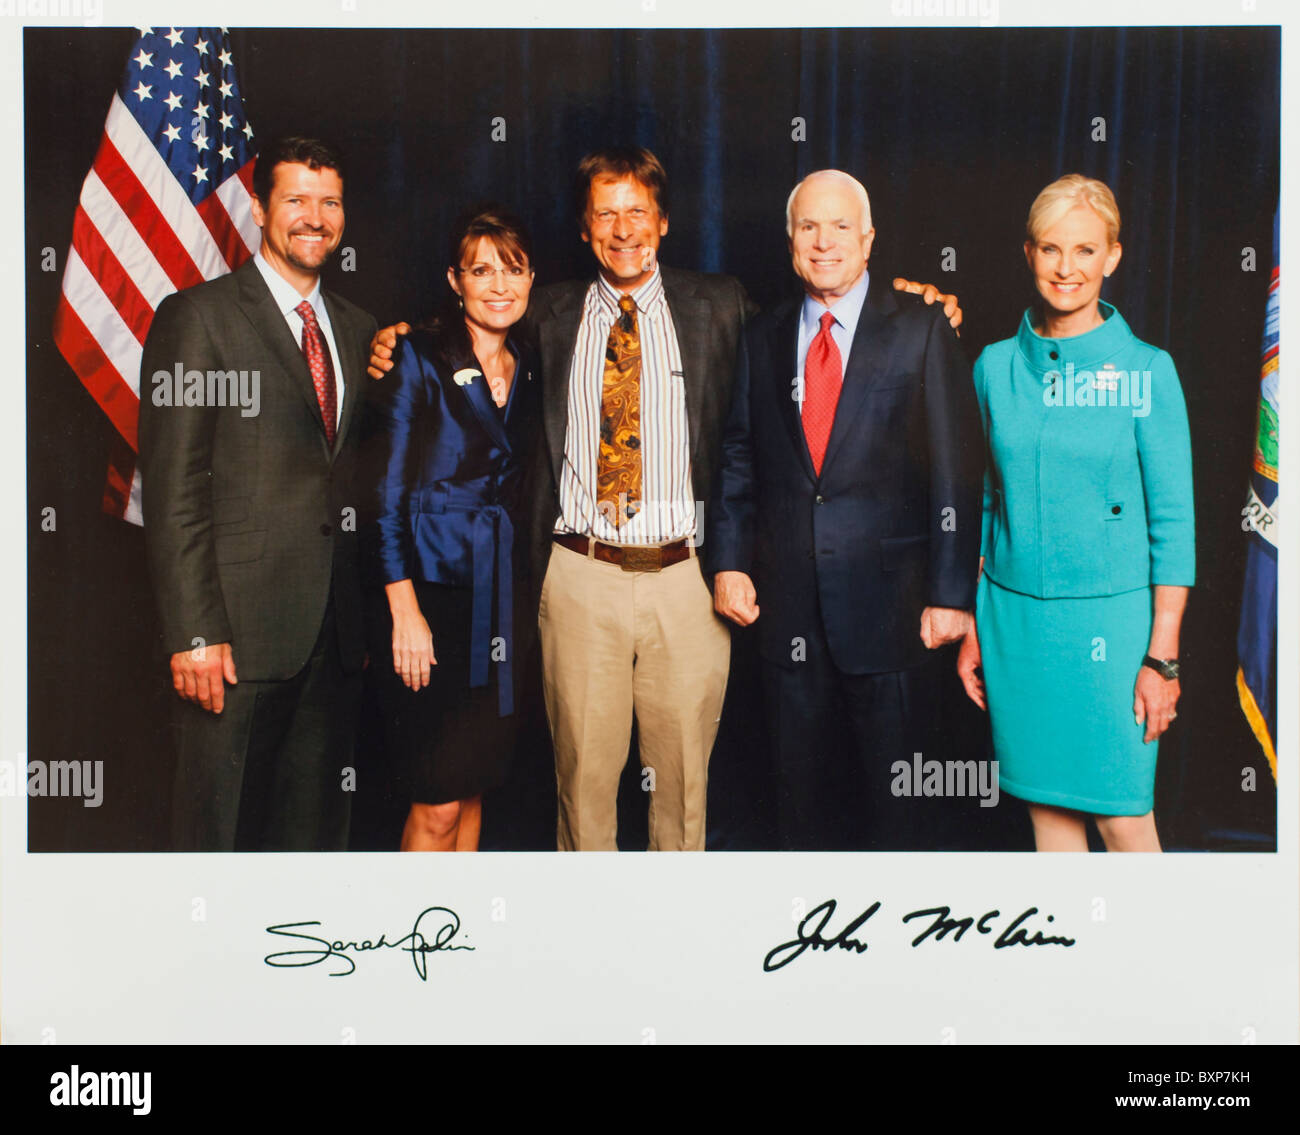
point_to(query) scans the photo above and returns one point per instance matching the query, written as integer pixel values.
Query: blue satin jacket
(448, 467)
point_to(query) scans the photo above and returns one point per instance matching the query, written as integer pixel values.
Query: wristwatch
(1167, 668)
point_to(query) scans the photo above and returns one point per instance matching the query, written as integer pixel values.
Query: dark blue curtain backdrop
(952, 131)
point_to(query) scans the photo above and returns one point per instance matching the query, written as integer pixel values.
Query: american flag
(166, 205)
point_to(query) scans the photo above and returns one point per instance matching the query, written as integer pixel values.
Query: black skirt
(449, 738)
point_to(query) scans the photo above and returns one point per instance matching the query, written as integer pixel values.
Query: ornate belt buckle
(642, 559)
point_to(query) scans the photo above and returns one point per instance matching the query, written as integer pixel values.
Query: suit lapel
(692, 316)
(520, 391)
(871, 349)
(785, 349)
(259, 307)
(347, 341)
(557, 332)
(479, 396)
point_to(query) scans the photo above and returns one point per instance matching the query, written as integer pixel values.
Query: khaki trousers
(617, 643)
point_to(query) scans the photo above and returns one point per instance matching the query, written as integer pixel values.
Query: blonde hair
(1063, 195)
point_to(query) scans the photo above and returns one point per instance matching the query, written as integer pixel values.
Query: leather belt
(630, 557)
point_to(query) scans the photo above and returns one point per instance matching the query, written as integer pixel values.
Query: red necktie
(823, 377)
(317, 352)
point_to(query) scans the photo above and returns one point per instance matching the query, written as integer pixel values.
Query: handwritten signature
(434, 929)
(812, 932)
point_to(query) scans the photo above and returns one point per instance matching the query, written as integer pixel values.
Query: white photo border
(634, 949)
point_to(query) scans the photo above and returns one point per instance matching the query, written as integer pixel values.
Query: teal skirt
(1059, 676)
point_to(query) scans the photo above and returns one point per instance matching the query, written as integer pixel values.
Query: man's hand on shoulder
(199, 675)
(734, 597)
(942, 625)
(930, 293)
(382, 347)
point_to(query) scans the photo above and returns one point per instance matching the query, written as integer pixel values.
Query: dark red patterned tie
(823, 377)
(317, 352)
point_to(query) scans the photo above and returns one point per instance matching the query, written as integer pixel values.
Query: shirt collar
(1099, 345)
(284, 293)
(648, 293)
(847, 309)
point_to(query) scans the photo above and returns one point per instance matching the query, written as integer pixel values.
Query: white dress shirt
(668, 498)
(286, 299)
(847, 310)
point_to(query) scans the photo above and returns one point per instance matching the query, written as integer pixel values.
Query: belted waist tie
(493, 578)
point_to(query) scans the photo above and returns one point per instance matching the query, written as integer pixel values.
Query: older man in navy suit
(846, 522)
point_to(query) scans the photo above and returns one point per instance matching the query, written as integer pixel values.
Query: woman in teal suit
(1088, 544)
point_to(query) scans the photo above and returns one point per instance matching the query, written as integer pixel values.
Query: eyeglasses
(484, 272)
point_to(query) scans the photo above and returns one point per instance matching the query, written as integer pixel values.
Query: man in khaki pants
(638, 365)
(637, 371)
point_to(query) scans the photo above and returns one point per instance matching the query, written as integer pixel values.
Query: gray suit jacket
(708, 312)
(250, 518)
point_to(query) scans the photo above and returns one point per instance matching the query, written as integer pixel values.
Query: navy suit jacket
(893, 523)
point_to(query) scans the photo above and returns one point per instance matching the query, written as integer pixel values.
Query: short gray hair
(857, 187)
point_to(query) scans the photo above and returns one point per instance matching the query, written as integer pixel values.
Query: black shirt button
(1115, 510)
(1055, 355)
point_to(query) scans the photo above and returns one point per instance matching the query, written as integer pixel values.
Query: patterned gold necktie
(618, 470)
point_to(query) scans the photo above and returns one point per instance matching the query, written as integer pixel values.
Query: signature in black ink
(1013, 935)
(813, 935)
(434, 929)
(810, 936)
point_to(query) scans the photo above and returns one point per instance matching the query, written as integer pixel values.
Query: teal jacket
(1088, 484)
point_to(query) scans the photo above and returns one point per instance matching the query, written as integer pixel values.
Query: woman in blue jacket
(451, 426)
(1088, 546)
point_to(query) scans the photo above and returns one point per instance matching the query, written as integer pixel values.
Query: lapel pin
(1106, 378)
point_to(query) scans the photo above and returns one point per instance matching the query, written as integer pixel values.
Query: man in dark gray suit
(249, 391)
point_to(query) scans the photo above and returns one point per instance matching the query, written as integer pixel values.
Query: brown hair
(311, 152)
(616, 162)
(499, 225)
(507, 232)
